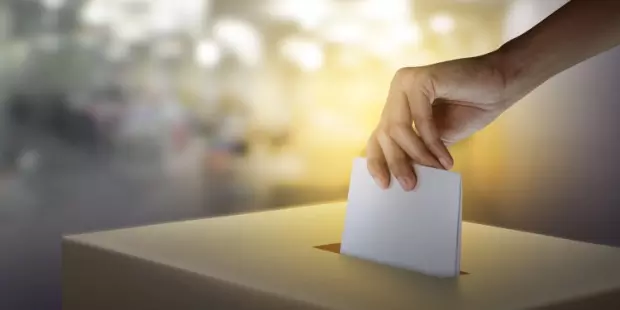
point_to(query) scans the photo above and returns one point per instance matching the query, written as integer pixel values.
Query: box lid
(275, 252)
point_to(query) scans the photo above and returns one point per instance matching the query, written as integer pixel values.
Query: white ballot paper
(418, 230)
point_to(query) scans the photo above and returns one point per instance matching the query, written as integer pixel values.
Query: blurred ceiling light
(390, 40)
(307, 54)
(130, 32)
(53, 4)
(386, 10)
(95, 13)
(347, 32)
(162, 16)
(442, 23)
(207, 54)
(241, 37)
(406, 34)
(172, 15)
(308, 13)
(193, 12)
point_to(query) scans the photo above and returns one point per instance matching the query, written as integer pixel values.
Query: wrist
(523, 66)
(512, 71)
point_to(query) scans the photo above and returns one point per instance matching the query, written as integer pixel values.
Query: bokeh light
(53, 4)
(208, 53)
(442, 23)
(240, 37)
(308, 55)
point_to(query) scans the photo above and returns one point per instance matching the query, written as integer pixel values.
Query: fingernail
(405, 183)
(379, 182)
(446, 163)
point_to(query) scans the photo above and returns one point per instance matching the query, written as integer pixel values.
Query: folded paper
(418, 230)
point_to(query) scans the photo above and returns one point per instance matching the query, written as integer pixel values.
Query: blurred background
(117, 113)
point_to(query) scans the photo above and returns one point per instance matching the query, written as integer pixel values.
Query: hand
(433, 106)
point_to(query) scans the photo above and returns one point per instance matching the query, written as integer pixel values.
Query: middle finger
(398, 162)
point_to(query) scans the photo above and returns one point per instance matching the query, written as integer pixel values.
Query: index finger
(377, 164)
(420, 97)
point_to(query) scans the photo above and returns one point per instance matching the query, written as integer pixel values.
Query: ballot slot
(335, 248)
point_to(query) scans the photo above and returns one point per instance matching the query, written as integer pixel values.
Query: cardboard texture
(418, 230)
(269, 260)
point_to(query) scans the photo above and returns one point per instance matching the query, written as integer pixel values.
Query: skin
(430, 107)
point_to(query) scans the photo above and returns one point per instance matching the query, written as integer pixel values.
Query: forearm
(579, 30)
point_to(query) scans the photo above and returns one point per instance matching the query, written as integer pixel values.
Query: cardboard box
(270, 260)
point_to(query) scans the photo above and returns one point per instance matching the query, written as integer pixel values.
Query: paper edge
(457, 267)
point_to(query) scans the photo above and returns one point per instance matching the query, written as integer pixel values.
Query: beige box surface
(269, 260)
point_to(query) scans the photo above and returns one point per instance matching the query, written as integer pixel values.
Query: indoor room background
(118, 113)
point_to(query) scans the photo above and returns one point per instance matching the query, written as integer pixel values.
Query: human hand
(445, 103)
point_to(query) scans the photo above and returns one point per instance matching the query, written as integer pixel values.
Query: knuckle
(424, 123)
(411, 75)
(371, 140)
(382, 133)
(405, 75)
(429, 135)
(397, 159)
(421, 156)
(393, 130)
(402, 72)
(397, 130)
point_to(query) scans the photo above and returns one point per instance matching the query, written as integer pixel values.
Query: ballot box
(288, 259)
